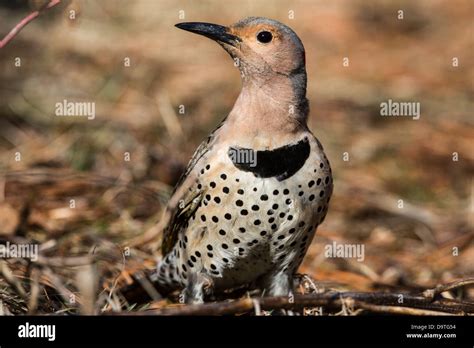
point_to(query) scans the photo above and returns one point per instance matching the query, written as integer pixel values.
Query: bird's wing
(186, 196)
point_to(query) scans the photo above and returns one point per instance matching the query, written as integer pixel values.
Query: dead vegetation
(73, 194)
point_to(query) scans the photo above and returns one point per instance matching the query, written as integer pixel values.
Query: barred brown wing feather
(186, 197)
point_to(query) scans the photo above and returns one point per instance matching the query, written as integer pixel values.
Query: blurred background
(159, 91)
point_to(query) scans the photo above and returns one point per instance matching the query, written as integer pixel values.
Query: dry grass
(86, 257)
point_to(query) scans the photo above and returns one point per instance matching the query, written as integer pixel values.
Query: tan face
(266, 47)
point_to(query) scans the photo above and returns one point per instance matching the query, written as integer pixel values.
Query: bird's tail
(152, 284)
(167, 277)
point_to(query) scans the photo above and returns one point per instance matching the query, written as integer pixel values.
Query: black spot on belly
(282, 162)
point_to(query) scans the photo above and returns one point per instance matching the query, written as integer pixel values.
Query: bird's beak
(213, 31)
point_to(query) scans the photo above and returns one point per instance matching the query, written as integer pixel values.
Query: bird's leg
(199, 285)
(278, 284)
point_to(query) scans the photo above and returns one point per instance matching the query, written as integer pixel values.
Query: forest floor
(85, 191)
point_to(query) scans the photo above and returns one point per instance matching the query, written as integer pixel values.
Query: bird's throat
(275, 104)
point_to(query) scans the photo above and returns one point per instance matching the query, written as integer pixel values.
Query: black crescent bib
(281, 163)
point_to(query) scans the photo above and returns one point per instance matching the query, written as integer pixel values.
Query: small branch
(73, 261)
(399, 310)
(25, 22)
(432, 293)
(34, 291)
(58, 285)
(378, 302)
(425, 303)
(148, 287)
(215, 308)
(86, 283)
(10, 278)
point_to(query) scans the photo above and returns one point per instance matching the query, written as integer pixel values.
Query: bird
(246, 208)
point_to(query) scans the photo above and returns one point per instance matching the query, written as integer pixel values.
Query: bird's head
(259, 46)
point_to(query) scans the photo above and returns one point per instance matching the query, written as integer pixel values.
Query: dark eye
(264, 37)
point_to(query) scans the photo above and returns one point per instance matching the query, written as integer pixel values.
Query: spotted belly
(247, 226)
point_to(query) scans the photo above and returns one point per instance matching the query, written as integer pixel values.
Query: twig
(65, 261)
(3, 182)
(256, 306)
(327, 300)
(34, 290)
(10, 304)
(330, 300)
(399, 310)
(17, 28)
(115, 283)
(432, 293)
(10, 278)
(49, 177)
(148, 287)
(86, 279)
(168, 115)
(68, 296)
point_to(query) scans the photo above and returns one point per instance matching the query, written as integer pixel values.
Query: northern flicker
(248, 205)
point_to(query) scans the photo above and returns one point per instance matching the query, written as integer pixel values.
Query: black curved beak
(213, 31)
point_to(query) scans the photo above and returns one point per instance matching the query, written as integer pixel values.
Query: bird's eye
(264, 36)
